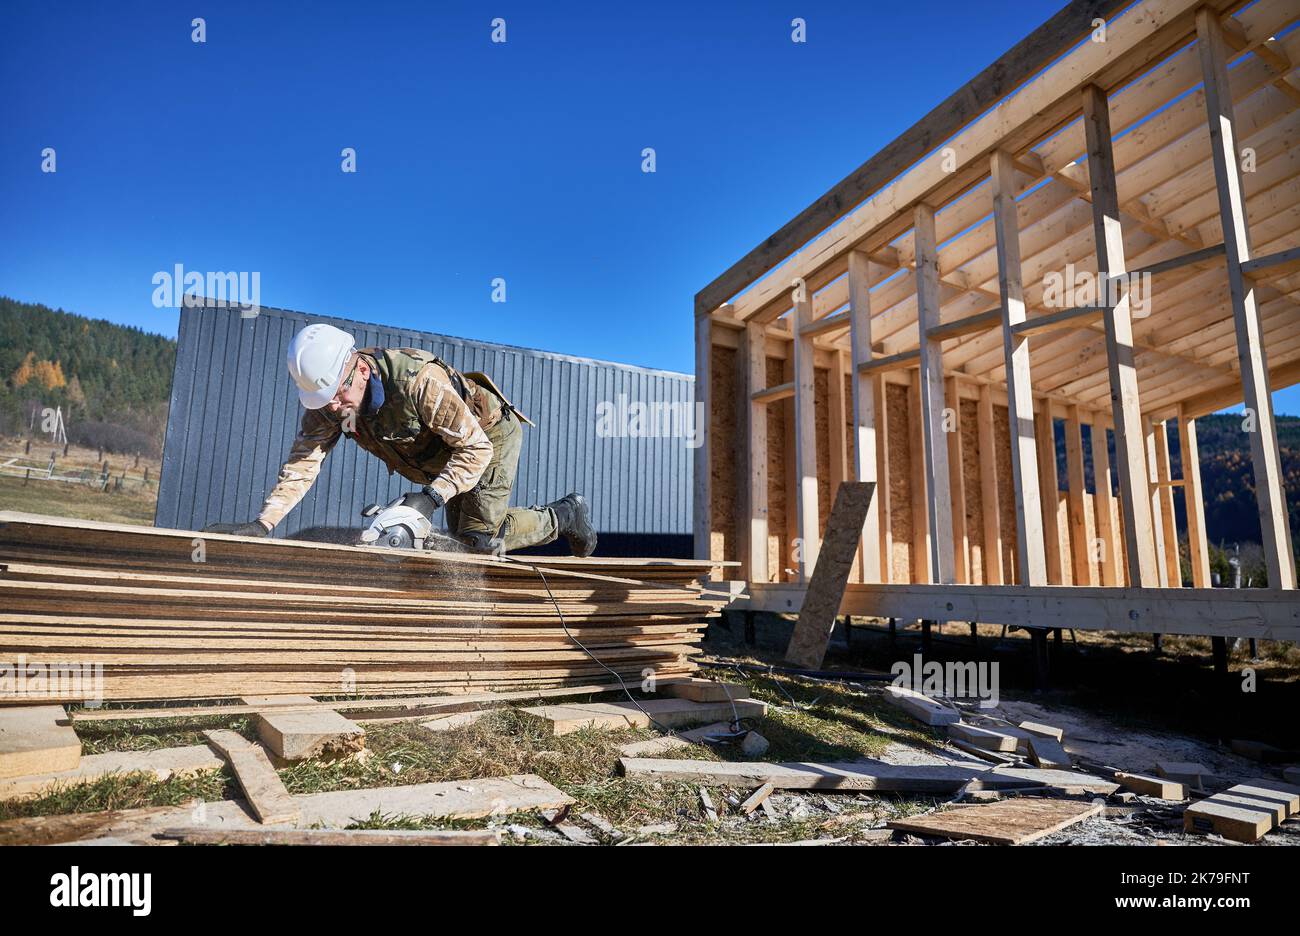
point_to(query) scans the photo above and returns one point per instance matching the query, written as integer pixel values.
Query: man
(453, 433)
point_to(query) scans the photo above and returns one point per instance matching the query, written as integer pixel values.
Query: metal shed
(234, 414)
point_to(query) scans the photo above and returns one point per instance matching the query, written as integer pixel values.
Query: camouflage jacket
(429, 429)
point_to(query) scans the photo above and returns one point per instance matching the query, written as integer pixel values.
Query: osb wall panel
(822, 408)
(777, 547)
(850, 457)
(725, 441)
(968, 430)
(1008, 504)
(900, 477)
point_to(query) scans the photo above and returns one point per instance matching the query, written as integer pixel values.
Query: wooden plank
(837, 420)
(455, 799)
(756, 799)
(675, 742)
(917, 484)
(968, 325)
(201, 835)
(1040, 730)
(821, 604)
(755, 483)
(266, 795)
(1159, 787)
(866, 413)
(1009, 72)
(161, 764)
(1240, 822)
(1276, 264)
(1193, 500)
(454, 720)
(1126, 411)
(667, 713)
(921, 707)
(1151, 441)
(989, 497)
(1080, 552)
(1082, 317)
(1270, 493)
(990, 739)
(934, 437)
(294, 736)
(804, 429)
(1031, 555)
(1048, 754)
(882, 497)
(1010, 822)
(37, 739)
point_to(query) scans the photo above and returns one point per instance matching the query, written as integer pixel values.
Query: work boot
(573, 522)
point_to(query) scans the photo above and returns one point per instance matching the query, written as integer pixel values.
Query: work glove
(427, 501)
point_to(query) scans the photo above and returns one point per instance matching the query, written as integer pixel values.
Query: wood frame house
(910, 328)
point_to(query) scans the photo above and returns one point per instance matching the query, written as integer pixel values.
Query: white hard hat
(317, 356)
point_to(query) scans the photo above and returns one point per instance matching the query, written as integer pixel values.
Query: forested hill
(113, 381)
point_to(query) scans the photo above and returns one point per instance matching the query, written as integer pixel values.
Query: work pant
(484, 508)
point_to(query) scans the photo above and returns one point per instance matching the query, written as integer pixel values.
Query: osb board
(850, 459)
(822, 408)
(1010, 822)
(970, 470)
(1063, 536)
(900, 476)
(776, 507)
(725, 437)
(1006, 494)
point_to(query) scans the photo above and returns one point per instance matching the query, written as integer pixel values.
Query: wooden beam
(702, 504)
(1031, 553)
(805, 441)
(1081, 317)
(1080, 552)
(992, 514)
(969, 102)
(983, 321)
(1194, 501)
(934, 437)
(1252, 361)
(775, 394)
(837, 420)
(1126, 410)
(918, 483)
(756, 508)
(865, 409)
(1277, 264)
(898, 361)
(1153, 494)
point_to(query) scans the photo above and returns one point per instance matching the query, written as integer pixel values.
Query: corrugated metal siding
(234, 415)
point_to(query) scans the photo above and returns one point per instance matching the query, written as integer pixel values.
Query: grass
(805, 722)
(60, 499)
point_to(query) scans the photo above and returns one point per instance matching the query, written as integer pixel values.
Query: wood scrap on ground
(1048, 753)
(201, 835)
(161, 764)
(263, 791)
(1009, 822)
(1245, 812)
(921, 707)
(36, 739)
(668, 713)
(1158, 787)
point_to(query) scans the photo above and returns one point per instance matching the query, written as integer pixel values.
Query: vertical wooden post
(989, 489)
(1104, 500)
(957, 482)
(1270, 493)
(1080, 552)
(755, 348)
(934, 437)
(883, 499)
(1198, 551)
(1030, 549)
(702, 506)
(1126, 411)
(1153, 492)
(917, 483)
(805, 437)
(1168, 520)
(1045, 438)
(866, 414)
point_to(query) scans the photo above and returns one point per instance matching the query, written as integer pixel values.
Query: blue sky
(475, 160)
